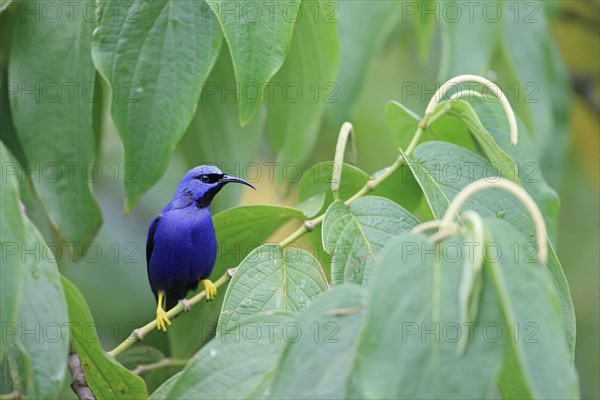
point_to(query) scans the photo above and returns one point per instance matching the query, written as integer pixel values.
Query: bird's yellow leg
(210, 288)
(161, 315)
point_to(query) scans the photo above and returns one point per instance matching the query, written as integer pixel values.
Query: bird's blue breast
(185, 249)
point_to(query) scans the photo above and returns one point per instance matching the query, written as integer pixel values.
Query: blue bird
(181, 246)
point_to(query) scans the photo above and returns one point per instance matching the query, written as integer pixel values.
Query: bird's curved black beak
(228, 179)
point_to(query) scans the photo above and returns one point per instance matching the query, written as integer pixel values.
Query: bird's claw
(209, 288)
(161, 318)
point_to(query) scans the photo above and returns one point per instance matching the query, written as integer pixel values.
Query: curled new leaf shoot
(470, 282)
(467, 92)
(426, 226)
(518, 192)
(510, 114)
(345, 141)
(445, 231)
(432, 112)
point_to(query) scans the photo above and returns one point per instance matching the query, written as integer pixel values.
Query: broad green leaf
(363, 27)
(52, 115)
(155, 58)
(538, 362)
(234, 363)
(216, 137)
(330, 328)
(305, 84)
(239, 230)
(403, 125)
(443, 170)
(493, 118)
(12, 240)
(259, 35)
(314, 188)
(408, 347)
(107, 378)
(356, 235)
(42, 311)
(269, 280)
(477, 27)
(498, 157)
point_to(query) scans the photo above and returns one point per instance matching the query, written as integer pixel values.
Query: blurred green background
(394, 58)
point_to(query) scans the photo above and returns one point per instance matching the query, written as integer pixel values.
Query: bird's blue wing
(150, 241)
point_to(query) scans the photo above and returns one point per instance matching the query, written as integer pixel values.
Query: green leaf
(52, 115)
(235, 363)
(259, 36)
(314, 188)
(363, 27)
(402, 122)
(401, 187)
(480, 31)
(234, 147)
(538, 361)
(107, 378)
(494, 120)
(443, 170)
(239, 230)
(269, 280)
(12, 238)
(356, 235)
(43, 310)
(305, 84)
(155, 58)
(330, 327)
(413, 321)
(503, 162)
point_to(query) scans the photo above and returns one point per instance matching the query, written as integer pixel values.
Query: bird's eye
(205, 178)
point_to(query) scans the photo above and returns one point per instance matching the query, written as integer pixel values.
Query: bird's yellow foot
(161, 319)
(161, 315)
(210, 288)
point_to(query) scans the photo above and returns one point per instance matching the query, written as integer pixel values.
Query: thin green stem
(165, 362)
(415, 140)
(427, 120)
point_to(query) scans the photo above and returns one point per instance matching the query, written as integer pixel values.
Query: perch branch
(139, 333)
(78, 382)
